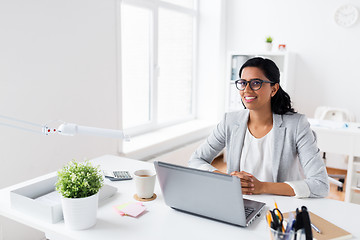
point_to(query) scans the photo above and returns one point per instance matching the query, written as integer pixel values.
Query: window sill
(152, 144)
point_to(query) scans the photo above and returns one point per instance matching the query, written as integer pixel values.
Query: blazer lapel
(278, 143)
(237, 143)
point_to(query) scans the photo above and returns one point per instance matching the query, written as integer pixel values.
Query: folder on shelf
(327, 229)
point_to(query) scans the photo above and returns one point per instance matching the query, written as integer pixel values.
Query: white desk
(162, 222)
(344, 141)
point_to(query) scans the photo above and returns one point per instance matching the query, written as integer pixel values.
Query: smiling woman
(270, 147)
(267, 70)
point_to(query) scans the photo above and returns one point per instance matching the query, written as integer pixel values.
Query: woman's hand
(249, 184)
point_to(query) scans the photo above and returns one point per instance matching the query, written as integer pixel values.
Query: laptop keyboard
(248, 211)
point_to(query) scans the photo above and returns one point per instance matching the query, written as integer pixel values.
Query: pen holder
(279, 235)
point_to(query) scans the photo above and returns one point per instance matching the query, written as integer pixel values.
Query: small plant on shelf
(269, 39)
(268, 43)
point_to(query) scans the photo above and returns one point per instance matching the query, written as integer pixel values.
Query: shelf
(261, 53)
(357, 164)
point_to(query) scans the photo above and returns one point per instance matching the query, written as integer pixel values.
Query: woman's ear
(275, 88)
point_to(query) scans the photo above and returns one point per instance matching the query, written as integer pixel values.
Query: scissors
(277, 219)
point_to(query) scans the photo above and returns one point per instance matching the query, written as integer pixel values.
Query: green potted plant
(79, 184)
(268, 43)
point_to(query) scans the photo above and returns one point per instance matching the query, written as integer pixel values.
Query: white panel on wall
(57, 62)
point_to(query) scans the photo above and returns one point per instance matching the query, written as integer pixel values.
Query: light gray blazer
(295, 157)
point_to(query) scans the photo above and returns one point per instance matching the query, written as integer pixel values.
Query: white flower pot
(80, 213)
(268, 46)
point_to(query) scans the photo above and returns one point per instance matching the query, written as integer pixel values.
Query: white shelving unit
(352, 190)
(356, 180)
(284, 61)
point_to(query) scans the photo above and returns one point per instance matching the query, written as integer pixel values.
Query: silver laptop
(212, 195)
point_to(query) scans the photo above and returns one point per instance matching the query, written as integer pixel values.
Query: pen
(290, 223)
(315, 228)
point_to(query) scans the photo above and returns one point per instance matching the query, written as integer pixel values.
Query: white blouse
(256, 159)
(256, 156)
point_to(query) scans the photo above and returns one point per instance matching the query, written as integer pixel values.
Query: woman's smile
(249, 99)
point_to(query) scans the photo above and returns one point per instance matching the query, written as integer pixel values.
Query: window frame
(153, 6)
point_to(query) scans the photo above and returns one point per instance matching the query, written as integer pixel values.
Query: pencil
(268, 218)
(278, 214)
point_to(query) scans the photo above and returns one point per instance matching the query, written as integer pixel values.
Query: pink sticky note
(133, 210)
(119, 211)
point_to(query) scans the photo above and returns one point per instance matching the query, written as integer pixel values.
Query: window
(157, 63)
(135, 65)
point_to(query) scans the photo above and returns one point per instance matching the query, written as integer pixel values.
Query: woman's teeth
(250, 98)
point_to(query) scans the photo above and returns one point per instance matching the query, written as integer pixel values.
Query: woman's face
(259, 99)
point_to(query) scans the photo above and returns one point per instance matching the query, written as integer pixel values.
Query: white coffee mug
(144, 183)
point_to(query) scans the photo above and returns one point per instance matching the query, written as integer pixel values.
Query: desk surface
(162, 222)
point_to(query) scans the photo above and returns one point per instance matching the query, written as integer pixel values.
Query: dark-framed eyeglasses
(255, 84)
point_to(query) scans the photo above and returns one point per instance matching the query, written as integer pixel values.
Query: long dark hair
(280, 102)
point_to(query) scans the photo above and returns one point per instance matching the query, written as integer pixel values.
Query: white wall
(327, 62)
(57, 61)
(211, 56)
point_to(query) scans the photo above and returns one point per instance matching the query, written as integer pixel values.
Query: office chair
(339, 115)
